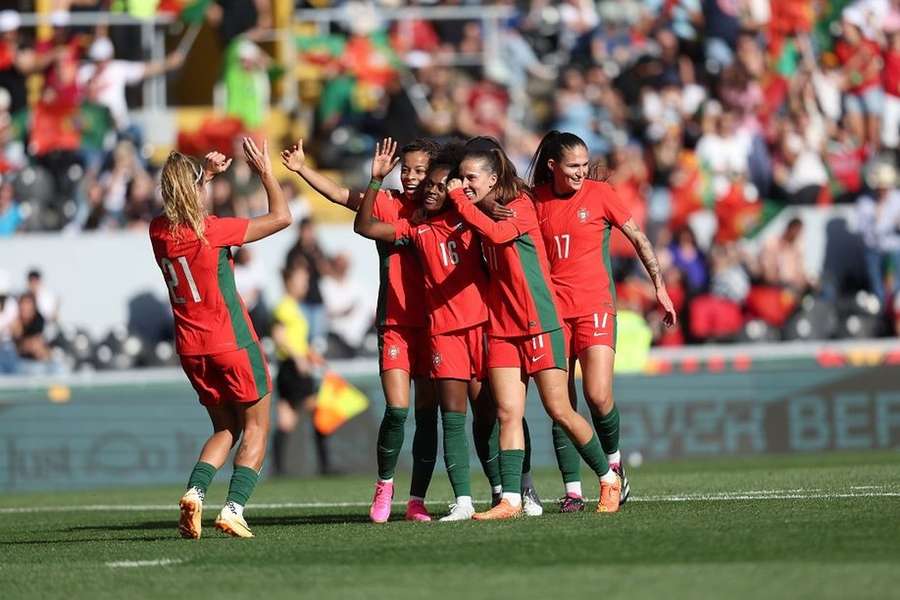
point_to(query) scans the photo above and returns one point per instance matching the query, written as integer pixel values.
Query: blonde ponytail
(180, 185)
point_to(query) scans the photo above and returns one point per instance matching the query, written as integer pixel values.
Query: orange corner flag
(337, 403)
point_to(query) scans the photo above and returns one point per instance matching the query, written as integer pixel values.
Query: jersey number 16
(171, 276)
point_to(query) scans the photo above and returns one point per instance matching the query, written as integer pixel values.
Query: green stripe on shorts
(258, 365)
(558, 347)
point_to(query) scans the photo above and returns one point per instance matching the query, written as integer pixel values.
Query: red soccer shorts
(405, 348)
(236, 376)
(532, 353)
(458, 354)
(596, 329)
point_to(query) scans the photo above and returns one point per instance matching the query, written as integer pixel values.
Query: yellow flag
(337, 403)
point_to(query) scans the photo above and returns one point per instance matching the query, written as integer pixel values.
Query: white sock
(527, 481)
(464, 501)
(615, 458)
(238, 508)
(391, 481)
(513, 499)
(574, 488)
(496, 489)
(414, 498)
(609, 477)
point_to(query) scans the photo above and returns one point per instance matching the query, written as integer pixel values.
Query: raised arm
(279, 216)
(365, 224)
(498, 232)
(645, 251)
(294, 159)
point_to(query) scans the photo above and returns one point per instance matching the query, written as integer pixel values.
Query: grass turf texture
(818, 546)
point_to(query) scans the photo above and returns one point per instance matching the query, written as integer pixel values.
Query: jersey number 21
(171, 276)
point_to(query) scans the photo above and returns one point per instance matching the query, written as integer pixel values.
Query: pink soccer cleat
(416, 511)
(380, 511)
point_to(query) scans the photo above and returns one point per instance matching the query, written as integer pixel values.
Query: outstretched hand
(384, 160)
(215, 163)
(293, 157)
(670, 318)
(257, 159)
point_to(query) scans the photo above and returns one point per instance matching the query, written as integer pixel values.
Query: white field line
(125, 564)
(793, 494)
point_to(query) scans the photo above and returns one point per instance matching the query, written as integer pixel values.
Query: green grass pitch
(812, 526)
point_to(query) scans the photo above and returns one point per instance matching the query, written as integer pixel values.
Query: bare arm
(279, 216)
(171, 62)
(645, 251)
(498, 232)
(365, 224)
(294, 159)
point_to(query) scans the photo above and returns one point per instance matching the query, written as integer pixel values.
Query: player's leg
(424, 448)
(508, 388)
(531, 501)
(254, 417)
(597, 372)
(567, 458)
(454, 398)
(226, 433)
(486, 433)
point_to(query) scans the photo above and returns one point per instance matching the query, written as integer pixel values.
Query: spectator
(250, 279)
(307, 249)
(34, 353)
(46, 301)
(878, 214)
(862, 64)
(17, 61)
(9, 317)
(349, 306)
(297, 201)
(687, 257)
(10, 211)
(246, 81)
(781, 260)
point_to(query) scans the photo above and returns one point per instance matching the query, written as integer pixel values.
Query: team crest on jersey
(436, 358)
(583, 215)
(393, 352)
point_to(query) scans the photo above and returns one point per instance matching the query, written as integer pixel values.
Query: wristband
(375, 184)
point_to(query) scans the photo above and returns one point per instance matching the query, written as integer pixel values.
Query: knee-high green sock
(607, 428)
(526, 463)
(202, 476)
(243, 480)
(511, 471)
(456, 452)
(487, 447)
(567, 457)
(424, 451)
(390, 440)
(593, 455)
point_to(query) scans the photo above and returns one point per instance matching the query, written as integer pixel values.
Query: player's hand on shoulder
(454, 184)
(496, 210)
(215, 163)
(384, 160)
(257, 159)
(293, 157)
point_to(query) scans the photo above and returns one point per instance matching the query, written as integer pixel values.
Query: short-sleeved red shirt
(521, 298)
(455, 277)
(210, 316)
(401, 295)
(576, 231)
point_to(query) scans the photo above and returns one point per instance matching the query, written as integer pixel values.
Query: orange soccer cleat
(610, 494)
(504, 510)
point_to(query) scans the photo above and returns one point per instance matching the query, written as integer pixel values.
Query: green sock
(424, 451)
(243, 480)
(526, 463)
(456, 452)
(390, 440)
(567, 457)
(487, 447)
(608, 429)
(511, 469)
(593, 455)
(202, 476)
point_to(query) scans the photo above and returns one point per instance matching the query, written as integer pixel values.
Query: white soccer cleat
(459, 512)
(531, 503)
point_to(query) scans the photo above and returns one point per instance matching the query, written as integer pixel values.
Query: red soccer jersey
(401, 295)
(210, 316)
(576, 231)
(455, 280)
(521, 298)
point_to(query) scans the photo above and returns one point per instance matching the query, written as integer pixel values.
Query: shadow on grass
(253, 521)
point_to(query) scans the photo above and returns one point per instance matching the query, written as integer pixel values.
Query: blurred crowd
(710, 117)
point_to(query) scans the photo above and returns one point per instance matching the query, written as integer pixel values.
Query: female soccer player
(525, 334)
(576, 216)
(402, 331)
(455, 287)
(214, 337)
